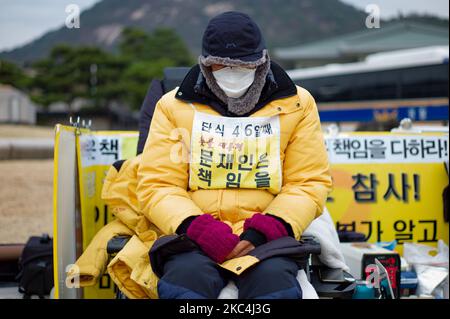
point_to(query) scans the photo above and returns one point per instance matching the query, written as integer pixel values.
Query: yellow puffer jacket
(162, 188)
(149, 195)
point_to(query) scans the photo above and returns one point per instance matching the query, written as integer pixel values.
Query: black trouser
(193, 275)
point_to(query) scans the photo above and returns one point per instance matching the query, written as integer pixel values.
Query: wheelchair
(309, 262)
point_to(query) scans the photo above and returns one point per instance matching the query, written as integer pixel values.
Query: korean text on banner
(97, 151)
(389, 186)
(238, 152)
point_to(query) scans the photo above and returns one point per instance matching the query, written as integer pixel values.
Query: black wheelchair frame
(310, 264)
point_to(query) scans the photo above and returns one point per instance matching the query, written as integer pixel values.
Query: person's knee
(187, 265)
(277, 268)
(272, 278)
(190, 275)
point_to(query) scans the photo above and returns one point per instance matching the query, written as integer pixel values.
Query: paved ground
(11, 292)
(26, 190)
(26, 131)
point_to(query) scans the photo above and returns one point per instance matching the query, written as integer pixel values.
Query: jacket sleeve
(306, 176)
(163, 181)
(92, 263)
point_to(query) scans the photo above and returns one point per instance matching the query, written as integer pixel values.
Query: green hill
(284, 22)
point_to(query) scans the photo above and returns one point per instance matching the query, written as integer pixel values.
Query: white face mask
(234, 81)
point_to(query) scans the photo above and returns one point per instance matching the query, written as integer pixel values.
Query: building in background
(357, 46)
(16, 107)
(384, 88)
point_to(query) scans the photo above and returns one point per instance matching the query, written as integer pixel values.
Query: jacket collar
(193, 89)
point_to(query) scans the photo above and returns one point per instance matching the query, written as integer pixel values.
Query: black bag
(351, 237)
(36, 267)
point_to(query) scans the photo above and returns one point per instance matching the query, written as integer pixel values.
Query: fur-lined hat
(234, 39)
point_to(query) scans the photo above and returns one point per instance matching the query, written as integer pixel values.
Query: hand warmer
(214, 237)
(268, 225)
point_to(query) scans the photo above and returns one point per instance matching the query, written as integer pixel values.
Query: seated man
(235, 162)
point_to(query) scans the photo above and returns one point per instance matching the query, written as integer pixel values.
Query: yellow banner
(389, 186)
(96, 152)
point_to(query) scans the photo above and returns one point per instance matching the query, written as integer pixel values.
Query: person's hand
(267, 225)
(241, 249)
(214, 237)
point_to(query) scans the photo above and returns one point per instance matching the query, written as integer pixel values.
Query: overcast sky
(24, 20)
(391, 8)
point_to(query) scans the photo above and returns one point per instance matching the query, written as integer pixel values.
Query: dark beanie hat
(233, 35)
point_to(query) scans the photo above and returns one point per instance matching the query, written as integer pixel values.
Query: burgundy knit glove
(214, 237)
(268, 225)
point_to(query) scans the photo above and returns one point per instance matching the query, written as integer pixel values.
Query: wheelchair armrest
(116, 244)
(341, 290)
(311, 244)
(337, 290)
